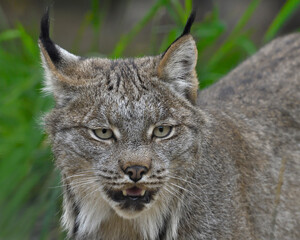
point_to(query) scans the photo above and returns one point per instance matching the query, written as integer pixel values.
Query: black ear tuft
(45, 25)
(189, 23)
(186, 29)
(45, 38)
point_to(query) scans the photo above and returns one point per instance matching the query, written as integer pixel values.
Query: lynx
(144, 155)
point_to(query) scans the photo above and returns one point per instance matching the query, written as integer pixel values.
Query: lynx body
(142, 157)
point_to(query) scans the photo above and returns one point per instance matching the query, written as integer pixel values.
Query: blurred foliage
(27, 202)
(30, 200)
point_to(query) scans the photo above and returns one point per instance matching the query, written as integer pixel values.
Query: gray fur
(230, 169)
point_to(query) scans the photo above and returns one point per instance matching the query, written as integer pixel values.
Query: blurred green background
(226, 32)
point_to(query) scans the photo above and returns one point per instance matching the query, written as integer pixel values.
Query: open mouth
(134, 193)
(133, 198)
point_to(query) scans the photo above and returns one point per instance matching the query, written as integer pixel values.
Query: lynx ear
(177, 65)
(62, 69)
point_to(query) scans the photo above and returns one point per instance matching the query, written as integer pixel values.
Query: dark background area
(118, 16)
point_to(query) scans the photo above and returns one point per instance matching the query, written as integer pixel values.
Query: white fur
(92, 213)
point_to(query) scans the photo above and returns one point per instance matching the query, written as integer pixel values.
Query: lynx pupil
(162, 131)
(103, 133)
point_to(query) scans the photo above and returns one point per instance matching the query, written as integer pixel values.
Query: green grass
(285, 13)
(29, 201)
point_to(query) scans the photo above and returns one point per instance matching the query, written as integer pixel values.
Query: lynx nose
(135, 173)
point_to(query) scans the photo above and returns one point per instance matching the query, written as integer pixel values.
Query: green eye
(162, 131)
(103, 133)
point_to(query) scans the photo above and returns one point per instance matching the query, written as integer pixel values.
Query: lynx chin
(144, 155)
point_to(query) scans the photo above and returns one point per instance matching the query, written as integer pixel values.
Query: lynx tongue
(134, 192)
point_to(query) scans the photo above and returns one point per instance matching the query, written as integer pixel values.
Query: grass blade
(230, 42)
(125, 40)
(9, 35)
(285, 13)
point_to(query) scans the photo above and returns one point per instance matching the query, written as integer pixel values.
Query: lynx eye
(162, 131)
(103, 133)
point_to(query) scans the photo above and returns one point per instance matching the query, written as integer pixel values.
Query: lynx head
(122, 131)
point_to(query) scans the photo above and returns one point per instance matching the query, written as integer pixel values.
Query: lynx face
(120, 139)
(121, 130)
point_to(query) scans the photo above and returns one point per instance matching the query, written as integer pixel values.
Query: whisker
(186, 190)
(194, 195)
(79, 174)
(89, 193)
(76, 182)
(173, 194)
(184, 180)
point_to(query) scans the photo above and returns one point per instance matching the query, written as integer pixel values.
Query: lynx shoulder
(143, 155)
